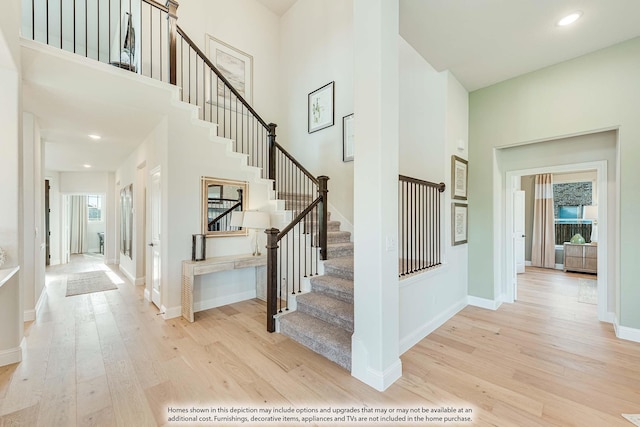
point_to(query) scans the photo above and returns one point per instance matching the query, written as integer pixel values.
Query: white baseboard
(559, 266)
(13, 355)
(527, 263)
(127, 274)
(626, 333)
(147, 295)
(171, 312)
(380, 380)
(420, 333)
(54, 261)
(139, 281)
(610, 317)
(225, 300)
(488, 304)
(29, 315)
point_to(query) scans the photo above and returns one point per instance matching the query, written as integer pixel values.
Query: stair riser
(338, 272)
(325, 314)
(333, 293)
(337, 252)
(342, 358)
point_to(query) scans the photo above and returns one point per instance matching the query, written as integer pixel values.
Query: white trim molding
(420, 333)
(12, 355)
(626, 333)
(380, 380)
(485, 303)
(170, 312)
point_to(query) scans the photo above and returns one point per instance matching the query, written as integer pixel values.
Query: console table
(581, 257)
(190, 269)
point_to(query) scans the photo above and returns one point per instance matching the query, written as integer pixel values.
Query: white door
(154, 243)
(518, 235)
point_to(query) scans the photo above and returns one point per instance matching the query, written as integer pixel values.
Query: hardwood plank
(108, 359)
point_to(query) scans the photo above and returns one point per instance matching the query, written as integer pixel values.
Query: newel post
(272, 153)
(172, 5)
(272, 277)
(322, 218)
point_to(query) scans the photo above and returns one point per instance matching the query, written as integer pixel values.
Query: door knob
(150, 244)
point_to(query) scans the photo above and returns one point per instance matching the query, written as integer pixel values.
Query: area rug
(587, 291)
(91, 281)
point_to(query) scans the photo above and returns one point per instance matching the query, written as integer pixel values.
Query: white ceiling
(483, 42)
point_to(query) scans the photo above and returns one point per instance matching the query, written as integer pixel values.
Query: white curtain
(543, 245)
(78, 224)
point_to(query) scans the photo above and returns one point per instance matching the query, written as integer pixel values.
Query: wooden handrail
(441, 186)
(297, 163)
(298, 219)
(220, 76)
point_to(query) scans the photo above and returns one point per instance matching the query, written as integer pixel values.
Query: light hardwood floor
(109, 359)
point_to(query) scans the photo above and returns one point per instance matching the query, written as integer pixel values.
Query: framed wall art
(235, 65)
(320, 108)
(459, 178)
(459, 222)
(347, 138)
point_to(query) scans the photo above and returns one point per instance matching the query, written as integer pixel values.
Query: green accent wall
(588, 94)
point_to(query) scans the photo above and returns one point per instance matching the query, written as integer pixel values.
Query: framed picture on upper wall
(320, 108)
(235, 65)
(459, 178)
(347, 138)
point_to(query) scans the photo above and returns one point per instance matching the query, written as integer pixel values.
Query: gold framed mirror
(220, 199)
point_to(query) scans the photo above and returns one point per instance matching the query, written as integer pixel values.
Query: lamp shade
(256, 219)
(590, 212)
(236, 218)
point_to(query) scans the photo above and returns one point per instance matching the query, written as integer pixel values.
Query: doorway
(510, 269)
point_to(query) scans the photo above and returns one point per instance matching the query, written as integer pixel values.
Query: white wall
(433, 117)
(590, 93)
(32, 215)
(83, 182)
(248, 26)
(11, 124)
(316, 40)
(186, 163)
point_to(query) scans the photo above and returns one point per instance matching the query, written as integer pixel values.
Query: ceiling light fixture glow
(570, 19)
(87, 166)
(95, 137)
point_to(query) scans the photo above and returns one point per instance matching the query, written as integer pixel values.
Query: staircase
(323, 320)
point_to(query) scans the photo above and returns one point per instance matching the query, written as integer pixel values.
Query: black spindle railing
(294, 253)
(420, 240)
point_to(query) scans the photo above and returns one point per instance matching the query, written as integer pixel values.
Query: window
(568, 202)
(94, 208)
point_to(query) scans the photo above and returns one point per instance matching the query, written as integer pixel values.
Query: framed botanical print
(320, 108)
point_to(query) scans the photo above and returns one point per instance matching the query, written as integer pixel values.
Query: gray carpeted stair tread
(340, 267)
(327, 308)
(336, 287)
(339, 250)
(329, 340)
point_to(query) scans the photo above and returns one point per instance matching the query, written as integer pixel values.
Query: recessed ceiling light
(87, 166)
(95, 137)
(570, 19)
